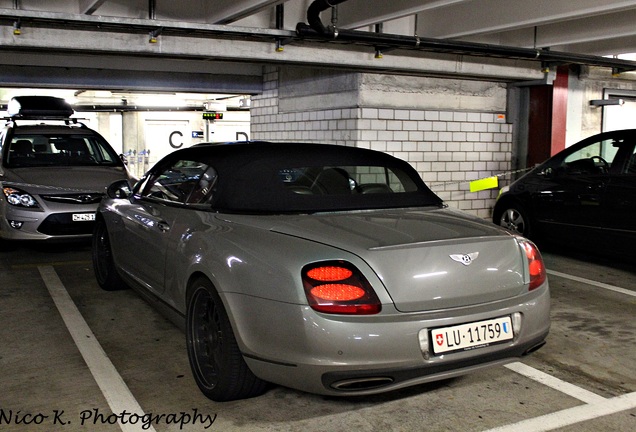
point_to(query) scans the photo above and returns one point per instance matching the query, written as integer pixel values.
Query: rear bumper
(340, 356)
(358, 382)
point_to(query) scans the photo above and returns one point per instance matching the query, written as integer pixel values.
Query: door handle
(163, 226)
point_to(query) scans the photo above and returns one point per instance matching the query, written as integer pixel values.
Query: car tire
(217, 364)
(103, 265)
(514, 218)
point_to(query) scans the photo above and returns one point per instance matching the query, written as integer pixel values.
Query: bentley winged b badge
(465, 259)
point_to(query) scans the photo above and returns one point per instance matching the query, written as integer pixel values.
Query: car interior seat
(332, 181)
(22, 148)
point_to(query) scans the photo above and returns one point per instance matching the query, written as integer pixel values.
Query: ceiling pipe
(280, 16)
(280, 24)
(152, 9)
(313, 16)
(394, 41)
(383, 41)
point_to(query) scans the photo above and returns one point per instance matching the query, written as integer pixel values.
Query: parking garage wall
(593, 83)
(449, 147)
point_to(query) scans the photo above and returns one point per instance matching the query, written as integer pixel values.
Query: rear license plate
(82, 217)
(473, 335)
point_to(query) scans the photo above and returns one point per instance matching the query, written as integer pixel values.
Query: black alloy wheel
(217, 364)
(103, 265)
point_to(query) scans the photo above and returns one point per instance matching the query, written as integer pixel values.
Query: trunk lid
(427, 259)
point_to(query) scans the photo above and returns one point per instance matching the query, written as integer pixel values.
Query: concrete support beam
(88, 7)
(53, 77)
(169, 46)
(231, 11)
(583, 35)
(356, 14)
(504, 15)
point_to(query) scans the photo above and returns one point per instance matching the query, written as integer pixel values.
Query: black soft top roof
(249, 176)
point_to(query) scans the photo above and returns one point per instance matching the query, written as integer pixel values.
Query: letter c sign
(172, 143)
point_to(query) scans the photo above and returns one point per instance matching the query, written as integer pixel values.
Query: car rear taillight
(337, 287)
(536, 267)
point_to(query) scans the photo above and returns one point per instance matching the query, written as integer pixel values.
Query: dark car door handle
(163, 226)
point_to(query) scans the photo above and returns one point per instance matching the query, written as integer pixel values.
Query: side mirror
(119, 189)
(547, 172)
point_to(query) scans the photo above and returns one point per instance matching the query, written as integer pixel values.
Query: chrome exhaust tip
(359, 384)
(533, 349)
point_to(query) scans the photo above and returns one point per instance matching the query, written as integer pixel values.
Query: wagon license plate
(471, 336)
(83, 217)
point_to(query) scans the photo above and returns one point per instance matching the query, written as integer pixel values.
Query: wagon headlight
(19, 198)
(503, 190)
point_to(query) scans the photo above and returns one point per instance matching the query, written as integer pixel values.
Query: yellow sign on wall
(483, 184)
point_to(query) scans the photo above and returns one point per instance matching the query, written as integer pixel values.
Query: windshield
(40, 150)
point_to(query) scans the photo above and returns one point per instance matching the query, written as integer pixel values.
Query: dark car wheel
(515, 219)
(103, 264)
(216, 361)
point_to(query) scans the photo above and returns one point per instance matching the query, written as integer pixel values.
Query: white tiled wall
(447, 148)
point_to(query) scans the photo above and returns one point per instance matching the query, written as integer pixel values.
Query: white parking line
(593, 283)
(113, 387)
(555, 383)
(595, 406)
(121, 400)
(572, 416)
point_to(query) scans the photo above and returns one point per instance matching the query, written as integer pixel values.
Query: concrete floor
(584, 379)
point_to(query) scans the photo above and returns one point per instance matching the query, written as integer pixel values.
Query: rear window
(346, 180)
(39, 150)
(318, 179)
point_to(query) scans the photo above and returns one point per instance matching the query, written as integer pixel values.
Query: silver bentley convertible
(329, 269)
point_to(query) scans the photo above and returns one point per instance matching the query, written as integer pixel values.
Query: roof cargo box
(38, 107)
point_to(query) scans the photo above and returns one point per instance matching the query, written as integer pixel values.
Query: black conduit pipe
(316, 30)
(387, 40)
(280, 16)
(152, 9)
(313, 15)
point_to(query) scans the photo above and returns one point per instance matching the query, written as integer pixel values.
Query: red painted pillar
(559, 109)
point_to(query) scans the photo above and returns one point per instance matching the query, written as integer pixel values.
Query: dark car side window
(630, 166)
(2, 138)
(185, 181)
(595, 158)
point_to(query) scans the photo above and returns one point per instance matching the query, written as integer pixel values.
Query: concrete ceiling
(583, 26)
(85, 40)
